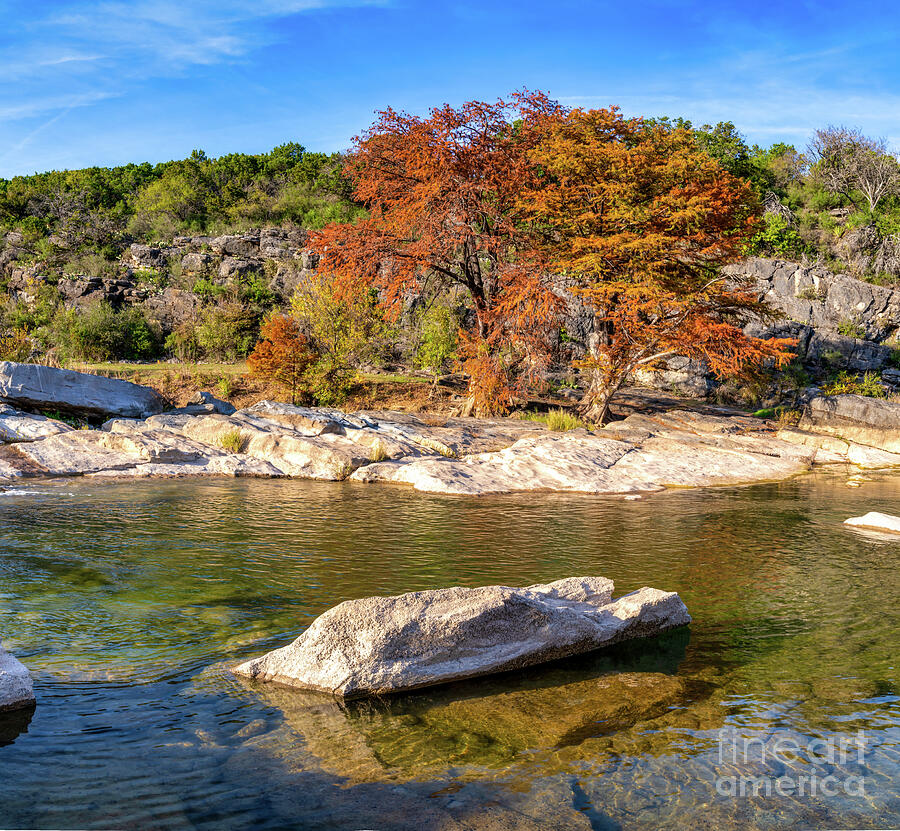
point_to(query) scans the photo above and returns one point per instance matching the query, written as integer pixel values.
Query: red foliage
(282, 355)
(642, 221)
(443, 194)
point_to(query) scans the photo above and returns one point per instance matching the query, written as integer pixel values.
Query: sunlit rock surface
(869, 421)
(34, 386)
(18, 426)
(639, 454)
(16, 688)
(379, 645)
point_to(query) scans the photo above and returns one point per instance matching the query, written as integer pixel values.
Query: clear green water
(129, 602)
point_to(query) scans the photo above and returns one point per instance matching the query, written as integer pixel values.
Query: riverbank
(642, 453)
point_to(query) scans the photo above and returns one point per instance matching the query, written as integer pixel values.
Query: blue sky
(105, 83)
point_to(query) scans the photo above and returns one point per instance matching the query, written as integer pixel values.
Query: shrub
(438, 338)
(100, 333)
(255, 290)
(151, 277)
(227, 332)
(91, 265)
(182, 343)
(777, 237)
(209, 290)
(811, 293)
(34, 315)
(225, 386)
(15, 345)
(846, 384)
(345, 330)
(330, 381)
(282, 354)
(851, 329)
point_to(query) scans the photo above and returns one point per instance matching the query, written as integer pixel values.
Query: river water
(778, 707)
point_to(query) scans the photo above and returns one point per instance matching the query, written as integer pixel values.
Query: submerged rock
(39, 387)
(16, 689)
(877, 521)
(380, 645)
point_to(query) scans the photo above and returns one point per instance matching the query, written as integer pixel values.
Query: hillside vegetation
(92, 260)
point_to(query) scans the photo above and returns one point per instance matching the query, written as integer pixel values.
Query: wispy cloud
(765, 93)
(38, 106)
(89, 51)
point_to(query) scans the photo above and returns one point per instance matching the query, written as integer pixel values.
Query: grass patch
(160, 368)
(559, 420)
(438, 447)
(390, 378)
(784, 416)
(233, 441)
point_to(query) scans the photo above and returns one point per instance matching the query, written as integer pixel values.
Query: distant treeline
(97, 209)
(813, 197)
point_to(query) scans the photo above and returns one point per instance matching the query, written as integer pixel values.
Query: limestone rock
(130, 449)
(869, 421)
(172, 307)
(877, 521)
(816, 297)
(380, 645)
(232, 267)
(636, 455)
(195, 262)
(18, 426)
(680, 375)
(237, 245)
(33, 386)
(204, 402)
(16, 689)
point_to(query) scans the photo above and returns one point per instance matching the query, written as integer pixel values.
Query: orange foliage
(282, 354)
(641, 221)
(443, 195)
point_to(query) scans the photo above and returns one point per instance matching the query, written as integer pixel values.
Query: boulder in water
(876, 521)
(15, 683)
(380, 645)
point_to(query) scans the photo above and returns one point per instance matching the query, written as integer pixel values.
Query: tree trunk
(594, 406)
(468, 408)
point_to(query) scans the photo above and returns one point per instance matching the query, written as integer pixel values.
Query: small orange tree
(282, 355)
(442, 194)
(641, 221)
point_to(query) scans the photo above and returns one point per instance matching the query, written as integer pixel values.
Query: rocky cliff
(836, 318)
(840, 322)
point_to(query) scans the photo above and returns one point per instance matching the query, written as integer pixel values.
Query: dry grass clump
(233, 441)
(559, 420)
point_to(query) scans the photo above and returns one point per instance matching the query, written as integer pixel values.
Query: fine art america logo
(819, 767)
